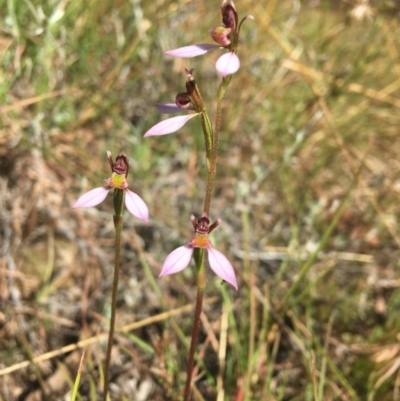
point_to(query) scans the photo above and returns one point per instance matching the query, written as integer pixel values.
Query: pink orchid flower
(227, 64)
(172, 124)
(133, 202)
(180, 258)
(226, 37)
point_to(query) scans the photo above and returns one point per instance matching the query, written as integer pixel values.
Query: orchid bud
(229, 14)
(193, 91)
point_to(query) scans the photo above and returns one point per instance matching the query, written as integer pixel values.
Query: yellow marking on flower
(200, 241)
(118, 181)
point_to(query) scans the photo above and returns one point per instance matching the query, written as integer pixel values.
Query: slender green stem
(212, 169)
(208, 137)
(201, 283)
(118, 229)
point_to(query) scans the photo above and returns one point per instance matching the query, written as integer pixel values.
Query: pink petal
(170, 125)
(168, 108)
(192, 51)
(177, 260)
(221, 266)
(228, 64)
(92, 198)
(136, 206)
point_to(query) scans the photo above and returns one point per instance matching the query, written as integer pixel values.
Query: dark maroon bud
(229, 15)
(190, 82)
(193, 91)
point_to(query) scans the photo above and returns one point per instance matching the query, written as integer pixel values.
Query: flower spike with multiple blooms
(226, 37)
(180, 258)
(133, 202)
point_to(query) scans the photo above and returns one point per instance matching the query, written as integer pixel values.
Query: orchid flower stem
(211, 139)
(208, 137)
(118, 229)
(212, 169)
(201, 283)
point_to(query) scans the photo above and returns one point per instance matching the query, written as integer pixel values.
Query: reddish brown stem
(201, 279)
(118, 229)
